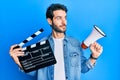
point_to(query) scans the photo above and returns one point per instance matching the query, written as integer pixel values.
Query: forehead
(59, 13)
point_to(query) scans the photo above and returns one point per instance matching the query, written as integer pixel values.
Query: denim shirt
(74, 61)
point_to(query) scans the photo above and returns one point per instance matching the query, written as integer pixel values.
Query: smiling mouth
(63, 25)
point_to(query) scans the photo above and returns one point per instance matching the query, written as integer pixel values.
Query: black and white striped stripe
(34, 45)
(31, 37)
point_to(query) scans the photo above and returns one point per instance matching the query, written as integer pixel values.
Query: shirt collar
(65, 37)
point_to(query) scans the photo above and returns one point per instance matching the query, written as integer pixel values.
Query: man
(67, 50)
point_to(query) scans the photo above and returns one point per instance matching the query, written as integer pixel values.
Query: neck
(57, 35)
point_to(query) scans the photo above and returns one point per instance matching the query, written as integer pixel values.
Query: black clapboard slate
(37, 56)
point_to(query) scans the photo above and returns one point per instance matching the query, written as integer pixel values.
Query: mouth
(63, 25)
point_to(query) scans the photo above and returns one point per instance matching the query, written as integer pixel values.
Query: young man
(67, 50)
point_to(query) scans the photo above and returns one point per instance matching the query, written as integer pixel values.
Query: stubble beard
(57, 29)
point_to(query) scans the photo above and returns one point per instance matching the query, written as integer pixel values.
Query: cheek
(57, 23)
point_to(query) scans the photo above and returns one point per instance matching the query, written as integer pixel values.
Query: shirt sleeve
(89, 64)
(32, 73)
(86, 65)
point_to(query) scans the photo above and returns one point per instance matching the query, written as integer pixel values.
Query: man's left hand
(96, 49)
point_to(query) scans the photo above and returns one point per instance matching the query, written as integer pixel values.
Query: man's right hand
(15, 52)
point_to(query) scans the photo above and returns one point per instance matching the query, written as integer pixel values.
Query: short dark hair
(53, 7)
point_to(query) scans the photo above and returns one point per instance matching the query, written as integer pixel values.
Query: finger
(15, 51)
(101, 49)
(19, 54)
(16, 54)
(98, 46)
(18, 49)
(93, 45)
(11, 48)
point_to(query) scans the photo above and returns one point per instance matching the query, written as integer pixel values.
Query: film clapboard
(37, 55)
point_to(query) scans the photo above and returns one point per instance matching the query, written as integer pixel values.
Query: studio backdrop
(21, 18)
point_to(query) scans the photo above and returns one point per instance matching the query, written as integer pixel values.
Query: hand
(14, 53)
(96, 49)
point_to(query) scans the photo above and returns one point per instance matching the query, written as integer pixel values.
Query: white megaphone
(94, 36)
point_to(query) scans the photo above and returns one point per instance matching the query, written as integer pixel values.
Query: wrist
(92, 57)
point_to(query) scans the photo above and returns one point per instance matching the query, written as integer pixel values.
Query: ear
(49, 21)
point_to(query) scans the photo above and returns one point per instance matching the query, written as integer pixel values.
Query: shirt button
(66, 77)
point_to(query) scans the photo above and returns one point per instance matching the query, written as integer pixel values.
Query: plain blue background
(21, 18)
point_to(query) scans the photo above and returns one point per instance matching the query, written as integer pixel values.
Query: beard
(57, 29)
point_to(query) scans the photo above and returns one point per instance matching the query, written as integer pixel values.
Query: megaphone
(94, 36)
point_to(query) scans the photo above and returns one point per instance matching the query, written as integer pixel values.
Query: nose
(64, 21)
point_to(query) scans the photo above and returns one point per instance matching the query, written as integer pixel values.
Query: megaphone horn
(94, 36)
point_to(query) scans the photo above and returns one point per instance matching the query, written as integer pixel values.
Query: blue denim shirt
(75, 62)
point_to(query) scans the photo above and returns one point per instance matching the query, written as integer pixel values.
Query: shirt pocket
(74, 59)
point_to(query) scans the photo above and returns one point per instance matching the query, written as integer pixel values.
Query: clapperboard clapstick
(30, 38)
(37, 55)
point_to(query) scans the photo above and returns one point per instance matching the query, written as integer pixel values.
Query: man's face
(59, 21)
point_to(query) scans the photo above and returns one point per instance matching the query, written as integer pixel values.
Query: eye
(58, 17)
